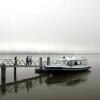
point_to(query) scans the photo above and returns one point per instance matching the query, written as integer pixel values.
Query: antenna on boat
(73, 53)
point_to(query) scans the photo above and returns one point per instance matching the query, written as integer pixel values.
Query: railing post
(3, 78)
(3, 72)
(40, 62)
(48, 60)
(15, 79)
(63, 57)
(15, 73)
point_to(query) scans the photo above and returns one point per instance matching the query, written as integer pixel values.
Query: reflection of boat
(49, 79)
(68, 64)
(67, 79)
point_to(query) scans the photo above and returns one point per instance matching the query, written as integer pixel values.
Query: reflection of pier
(15, 86)
(18, 85)
(27, 84)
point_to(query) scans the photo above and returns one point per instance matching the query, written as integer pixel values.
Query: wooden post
(3, 72)
(40, 62)
(3, 78)
(15, 73)
(63, 57)
(15, 79)
(48, 60)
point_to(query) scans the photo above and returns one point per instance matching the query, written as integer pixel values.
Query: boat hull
(61, 70)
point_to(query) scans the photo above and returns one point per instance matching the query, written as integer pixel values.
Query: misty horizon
(45, 53)
(58, 26)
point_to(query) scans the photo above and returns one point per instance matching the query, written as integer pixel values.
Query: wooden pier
(20, 84)
(22, 63)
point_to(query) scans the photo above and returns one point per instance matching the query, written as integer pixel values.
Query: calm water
(26, 85)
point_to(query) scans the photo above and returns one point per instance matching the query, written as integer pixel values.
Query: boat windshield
(61, 62)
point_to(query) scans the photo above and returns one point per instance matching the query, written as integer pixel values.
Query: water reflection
(69, 79)
(49, 79)
(3, 87)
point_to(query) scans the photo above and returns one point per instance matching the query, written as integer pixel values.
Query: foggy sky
(50, 25)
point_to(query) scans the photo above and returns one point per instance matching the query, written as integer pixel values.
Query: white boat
(68, 64)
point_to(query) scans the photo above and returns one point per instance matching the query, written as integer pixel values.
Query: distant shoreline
(47, 53)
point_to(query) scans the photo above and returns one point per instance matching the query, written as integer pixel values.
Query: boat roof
(73, 58)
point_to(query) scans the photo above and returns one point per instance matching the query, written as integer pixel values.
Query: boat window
(78, 62)
(84, 62)
(61, 62)
(73, 62)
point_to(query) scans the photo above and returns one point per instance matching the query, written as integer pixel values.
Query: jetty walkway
(17, 85)
(22, 63)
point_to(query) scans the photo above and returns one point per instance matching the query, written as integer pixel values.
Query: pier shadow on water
(69, 79)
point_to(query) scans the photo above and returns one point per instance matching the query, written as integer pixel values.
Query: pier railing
(22, 63)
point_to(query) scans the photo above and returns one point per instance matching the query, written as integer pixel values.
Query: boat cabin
(72, 61)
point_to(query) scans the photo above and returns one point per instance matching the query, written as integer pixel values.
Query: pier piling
(3, 78)
(15, 73)
(48, 60)
(40, 62)
(3, 72)
(63, 57)
(15, 80)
